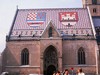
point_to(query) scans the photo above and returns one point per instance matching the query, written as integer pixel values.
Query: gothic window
(94, 1)
(25, 57)
(81, 56)
(50, 32)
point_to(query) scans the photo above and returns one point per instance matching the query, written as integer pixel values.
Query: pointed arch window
(25, 57)
(81, 56)
(50, 32)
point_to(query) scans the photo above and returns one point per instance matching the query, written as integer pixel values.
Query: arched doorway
(50, 60)
(51, 69)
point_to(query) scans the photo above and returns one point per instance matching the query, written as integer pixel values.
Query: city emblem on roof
(68, 18)
(35, 19)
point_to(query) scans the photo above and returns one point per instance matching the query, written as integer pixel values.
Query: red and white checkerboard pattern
(31, 16)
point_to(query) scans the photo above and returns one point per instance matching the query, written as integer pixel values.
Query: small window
(94, 10)
(50, 32)
(81, 56)
(25, 57)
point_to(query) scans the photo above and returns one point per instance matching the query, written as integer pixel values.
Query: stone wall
(70, 54)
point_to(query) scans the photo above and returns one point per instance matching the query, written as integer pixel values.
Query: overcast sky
(8, 8)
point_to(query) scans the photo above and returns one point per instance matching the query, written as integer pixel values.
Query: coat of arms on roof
(68, 18)
(35, 19)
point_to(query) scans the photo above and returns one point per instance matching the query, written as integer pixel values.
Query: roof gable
(55, 32)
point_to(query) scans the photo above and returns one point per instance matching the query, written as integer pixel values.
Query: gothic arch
(50, 44)
(81, 56)
(50, 59)
(25, 57)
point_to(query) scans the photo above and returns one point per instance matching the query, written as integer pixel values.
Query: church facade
(42, 41)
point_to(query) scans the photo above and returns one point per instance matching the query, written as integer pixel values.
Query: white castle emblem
(68, 18)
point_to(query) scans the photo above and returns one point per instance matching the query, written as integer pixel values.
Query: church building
(42, 41)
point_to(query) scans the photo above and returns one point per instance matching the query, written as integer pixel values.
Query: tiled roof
(96, 21)
(82, 27)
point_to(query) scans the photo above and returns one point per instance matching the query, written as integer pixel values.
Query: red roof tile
(82, 27)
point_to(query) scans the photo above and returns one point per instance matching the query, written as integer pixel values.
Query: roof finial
(17, 6)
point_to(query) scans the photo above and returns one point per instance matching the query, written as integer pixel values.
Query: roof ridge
(50, 8)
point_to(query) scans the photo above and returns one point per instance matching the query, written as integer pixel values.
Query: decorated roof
(68, 21)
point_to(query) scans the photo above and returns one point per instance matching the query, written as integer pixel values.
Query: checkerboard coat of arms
(36, 18)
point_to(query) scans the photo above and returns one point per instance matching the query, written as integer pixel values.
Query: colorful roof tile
(68, 21)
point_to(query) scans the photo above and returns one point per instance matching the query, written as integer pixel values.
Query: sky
(8, 9)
